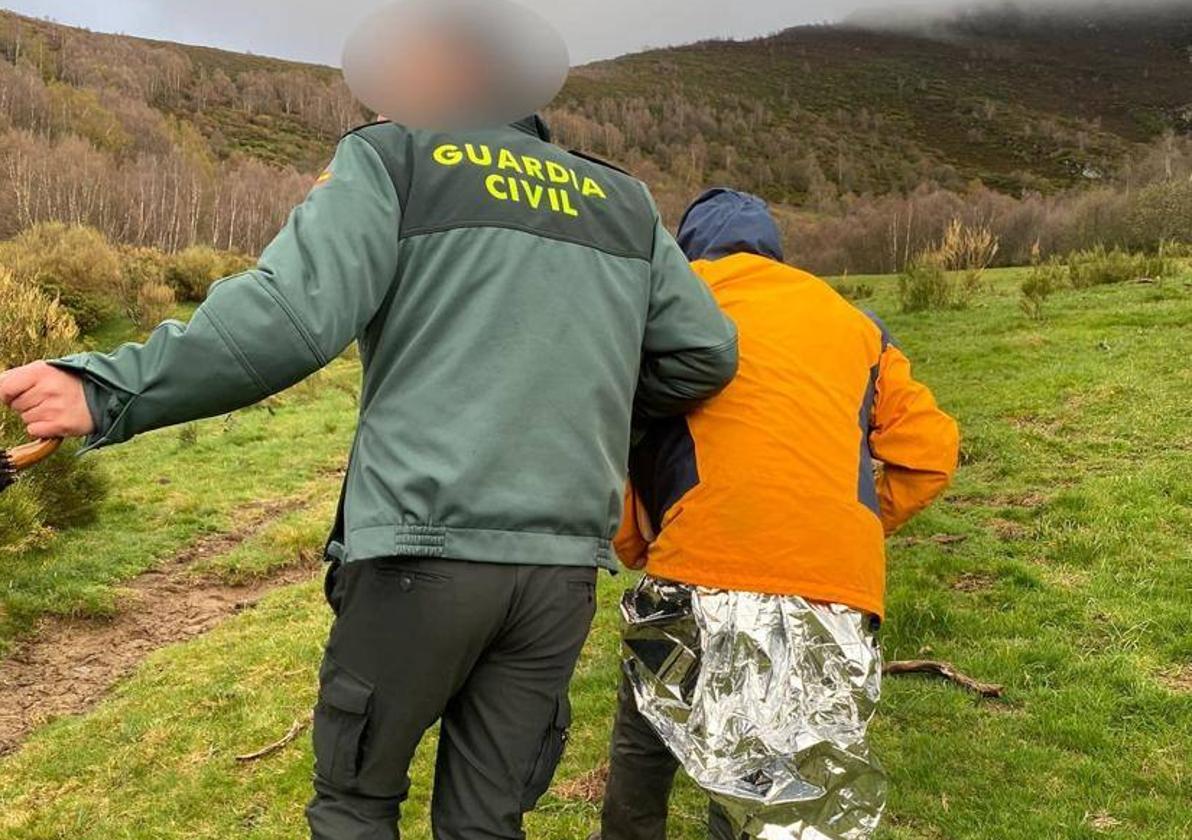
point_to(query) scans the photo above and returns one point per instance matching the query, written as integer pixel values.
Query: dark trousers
(641, 774)
(488, 650)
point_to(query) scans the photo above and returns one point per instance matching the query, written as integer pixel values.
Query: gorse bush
(154, 303)
(64, 491)
(75, 264)
(148, 300)
(32, 324)
(192, 271)
(96, 281)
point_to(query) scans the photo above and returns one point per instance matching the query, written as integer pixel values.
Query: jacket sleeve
(690, 347)
(918, 443)
(316, 287)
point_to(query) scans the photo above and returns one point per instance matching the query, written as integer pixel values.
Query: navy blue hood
(724, 222)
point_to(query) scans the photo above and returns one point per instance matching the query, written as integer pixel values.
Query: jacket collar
(535, 126)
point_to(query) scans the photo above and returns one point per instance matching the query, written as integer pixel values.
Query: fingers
(45, 431)
(51, 402)
(15, 382)
(29, 400)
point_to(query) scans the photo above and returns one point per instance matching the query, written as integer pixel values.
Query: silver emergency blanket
(765, 700)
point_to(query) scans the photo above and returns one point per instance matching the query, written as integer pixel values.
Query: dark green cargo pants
(488, 650)
(641, 774)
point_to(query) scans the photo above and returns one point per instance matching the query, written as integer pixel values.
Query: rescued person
(751, 654)
(503, 342)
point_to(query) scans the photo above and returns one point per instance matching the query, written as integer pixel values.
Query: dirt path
(68, 665)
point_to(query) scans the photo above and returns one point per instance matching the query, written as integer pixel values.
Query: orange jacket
(771, 486)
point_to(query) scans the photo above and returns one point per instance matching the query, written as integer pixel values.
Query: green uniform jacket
(509, 299)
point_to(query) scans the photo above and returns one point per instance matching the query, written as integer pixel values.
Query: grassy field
(179, 484)
(1066, 575)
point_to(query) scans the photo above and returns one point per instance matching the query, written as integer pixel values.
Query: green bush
(153, 304)
(858, 291)
(1161, 213)
(1100, 267)
(64, 491)
(33, 325)
(75, 264)
(192, 271)
(148, 299)
(925, 285)
(1045, 279)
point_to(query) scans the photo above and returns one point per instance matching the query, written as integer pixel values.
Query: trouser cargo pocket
(549, 756)
(340, 726)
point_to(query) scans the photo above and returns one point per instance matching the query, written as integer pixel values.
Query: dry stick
(946, 670)
(276, 746)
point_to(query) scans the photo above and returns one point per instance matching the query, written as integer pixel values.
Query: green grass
(1076, 507)
(176, 485)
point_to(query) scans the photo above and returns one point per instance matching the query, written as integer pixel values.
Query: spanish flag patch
(323, 179)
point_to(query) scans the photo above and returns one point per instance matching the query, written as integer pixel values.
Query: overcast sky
(314, 30)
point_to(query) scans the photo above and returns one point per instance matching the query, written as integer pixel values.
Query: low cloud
(315, 30)
(943, 15)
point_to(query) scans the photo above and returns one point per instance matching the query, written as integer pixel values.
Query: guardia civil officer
(509, 300)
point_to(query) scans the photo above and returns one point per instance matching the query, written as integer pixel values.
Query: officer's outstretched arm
(690, 347)
(916, 441)
(315, 289)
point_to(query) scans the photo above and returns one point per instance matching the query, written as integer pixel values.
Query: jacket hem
(528, 548)
(853, 599)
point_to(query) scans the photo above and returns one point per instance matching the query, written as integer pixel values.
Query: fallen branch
(277, 746)
(946, 670)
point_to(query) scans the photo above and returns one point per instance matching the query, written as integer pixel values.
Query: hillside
(1016, 101)
(166, 144)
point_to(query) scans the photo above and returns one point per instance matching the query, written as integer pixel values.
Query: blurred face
(436, 76)
(455, 63)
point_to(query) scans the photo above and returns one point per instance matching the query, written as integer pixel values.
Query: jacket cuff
(105, 404)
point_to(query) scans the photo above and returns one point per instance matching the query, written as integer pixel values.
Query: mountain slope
(167, 144)
(1016, 100)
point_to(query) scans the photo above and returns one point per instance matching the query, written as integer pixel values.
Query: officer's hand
(51, 402)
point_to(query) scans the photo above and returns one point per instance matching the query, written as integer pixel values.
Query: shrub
(924, 285)
(32, 325)
(64, 491)
(75, 264)
(967, 248)
(192, 271)
(950, 273)
(1156, 266)
(155, 302)
(1100, 266)
(858, 291)
(1161, 213)
(146, 297)
(1045, 279)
